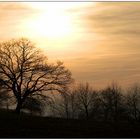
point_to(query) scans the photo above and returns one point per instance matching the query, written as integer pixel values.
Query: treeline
(83, 102)
(109, 104)
(28, 82)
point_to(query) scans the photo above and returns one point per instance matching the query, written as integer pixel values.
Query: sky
(97, 41)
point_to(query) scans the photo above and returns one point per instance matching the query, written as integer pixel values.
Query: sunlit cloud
(99, 42)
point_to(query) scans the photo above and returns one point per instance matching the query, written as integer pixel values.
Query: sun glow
(52, 21)
(51, 25)
(55, 26)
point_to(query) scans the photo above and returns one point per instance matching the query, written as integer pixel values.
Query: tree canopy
(24, 70)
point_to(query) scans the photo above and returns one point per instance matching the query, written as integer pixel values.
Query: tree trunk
(18, 107)
(66, 111)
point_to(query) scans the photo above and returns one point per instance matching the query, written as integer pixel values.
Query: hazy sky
(98, 42)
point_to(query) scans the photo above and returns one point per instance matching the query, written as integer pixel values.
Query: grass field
(25, 126)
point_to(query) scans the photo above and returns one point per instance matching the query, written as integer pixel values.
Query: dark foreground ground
(24, 126)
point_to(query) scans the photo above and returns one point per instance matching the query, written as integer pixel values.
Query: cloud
(12, 15)
(114, 19)
(106, 47)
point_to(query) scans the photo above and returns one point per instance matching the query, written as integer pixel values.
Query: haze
(98, 42)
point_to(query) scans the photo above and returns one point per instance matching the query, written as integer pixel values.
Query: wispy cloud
(114, 19)
(106, 47)
(12, 15)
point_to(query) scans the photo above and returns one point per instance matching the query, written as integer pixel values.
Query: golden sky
(98, 41)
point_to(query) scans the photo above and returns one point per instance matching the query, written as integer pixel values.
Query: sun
(51, 25)
(51, 22)
(55, 26)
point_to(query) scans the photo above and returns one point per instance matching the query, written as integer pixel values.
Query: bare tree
(86, 97)
(69, 103)
(112, 101)
(4, 97)
(133, 101)
(24, 70)
(65, 104)
(60, 105)
(73, 101)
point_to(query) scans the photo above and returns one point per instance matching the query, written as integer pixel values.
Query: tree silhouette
(25, 71)
(73, 101)
(60, 104)
(111, 98)
(4, 96)
(65, 103)
(85, 98)
(133, 102)
(35, 104)
(69, 103)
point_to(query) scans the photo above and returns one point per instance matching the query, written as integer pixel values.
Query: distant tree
(73, 101)
(96, 107)
(69, 103)
(60, 105)
(4, 97)
(112, 98)
(133, 102)
(24, 71)
(85, 98)
(36, 104)
(33, 105)
(65, 104)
